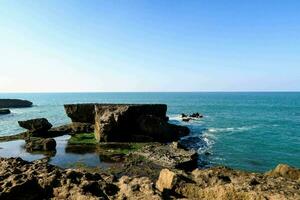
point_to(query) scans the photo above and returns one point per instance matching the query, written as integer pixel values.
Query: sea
(251, 131)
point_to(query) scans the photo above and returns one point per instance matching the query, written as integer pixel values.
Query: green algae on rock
(83, 138)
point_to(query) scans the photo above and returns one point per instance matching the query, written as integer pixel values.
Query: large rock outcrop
(14, 103)
(124, 122)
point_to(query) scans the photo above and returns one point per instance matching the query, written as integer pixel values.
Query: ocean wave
(230, 129)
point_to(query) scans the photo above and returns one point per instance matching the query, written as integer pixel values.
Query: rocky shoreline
(151, 162)
(38, 180)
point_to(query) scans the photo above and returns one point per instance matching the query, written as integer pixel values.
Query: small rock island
(14, 103)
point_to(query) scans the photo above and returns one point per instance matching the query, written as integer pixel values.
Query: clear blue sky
(152, 45)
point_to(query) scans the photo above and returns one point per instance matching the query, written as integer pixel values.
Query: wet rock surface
(14, 103)
(20, 179)
(4, 111)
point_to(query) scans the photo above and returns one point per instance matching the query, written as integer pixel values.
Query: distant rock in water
(37, 126)
(4, 111)
(187, 118)
(14, 103)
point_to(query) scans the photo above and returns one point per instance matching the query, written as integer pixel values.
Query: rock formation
(22, 180)
(124, 122)
(36, 127)
(4, 111)
(14, 103)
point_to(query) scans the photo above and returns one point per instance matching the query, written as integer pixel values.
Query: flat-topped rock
(36, 126)
(14, 103)
(124, 122)
(4, 111)
(130, 122)
(85, 113)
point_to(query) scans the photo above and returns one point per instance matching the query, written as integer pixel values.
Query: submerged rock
(14, 103)
(37, 127)
(4, 111)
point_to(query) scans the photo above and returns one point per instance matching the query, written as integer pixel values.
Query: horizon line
(208, 91)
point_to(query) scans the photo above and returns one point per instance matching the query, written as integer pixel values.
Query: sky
(149, 45)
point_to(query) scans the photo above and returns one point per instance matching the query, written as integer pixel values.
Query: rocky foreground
(162, 168)
(20, 179)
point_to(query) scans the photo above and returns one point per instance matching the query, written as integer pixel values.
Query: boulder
(14, 103)
(4, 111)
(36, 126)
(166, 180)
(40, 144)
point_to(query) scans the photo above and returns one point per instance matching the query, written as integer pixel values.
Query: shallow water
(65, 156)
(251, 131)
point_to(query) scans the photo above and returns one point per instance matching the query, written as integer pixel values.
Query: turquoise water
(251, 131)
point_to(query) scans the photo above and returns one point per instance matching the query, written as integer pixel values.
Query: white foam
(231, 129)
